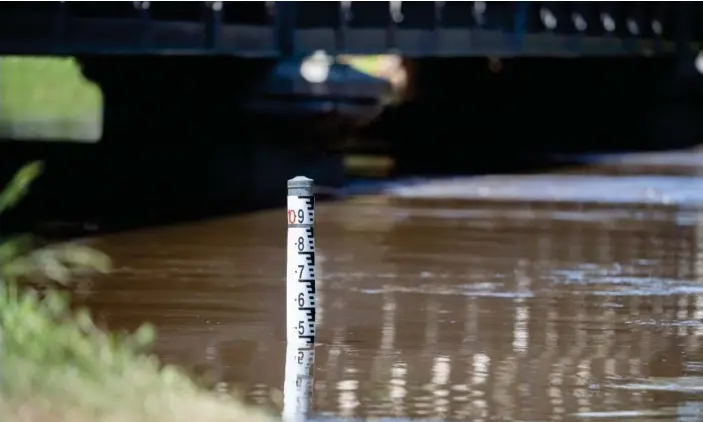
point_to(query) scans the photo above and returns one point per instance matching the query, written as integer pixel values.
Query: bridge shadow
(176, 145)
(91, 189)
(169, 154)
(473, 116)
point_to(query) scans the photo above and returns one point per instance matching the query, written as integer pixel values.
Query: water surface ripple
(442, 307)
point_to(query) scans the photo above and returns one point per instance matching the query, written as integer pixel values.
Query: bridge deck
(414, 29)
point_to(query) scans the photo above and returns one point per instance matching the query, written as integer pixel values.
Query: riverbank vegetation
(57, 365)
(48, 98)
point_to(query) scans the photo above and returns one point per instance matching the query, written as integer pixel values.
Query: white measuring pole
(300, 299)
(300, 287)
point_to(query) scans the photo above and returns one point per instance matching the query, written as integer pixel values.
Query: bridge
(222, 86)
(412, 29)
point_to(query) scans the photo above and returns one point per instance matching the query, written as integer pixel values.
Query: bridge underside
(176, 137)
(486, 115)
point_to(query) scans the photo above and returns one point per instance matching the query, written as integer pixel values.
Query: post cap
(300, 182)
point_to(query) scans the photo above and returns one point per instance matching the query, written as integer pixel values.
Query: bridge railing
(272, 29)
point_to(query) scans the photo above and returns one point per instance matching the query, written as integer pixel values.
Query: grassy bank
(56, 365)
(48, 98)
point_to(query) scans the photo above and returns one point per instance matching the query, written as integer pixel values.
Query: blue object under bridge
(412, 29)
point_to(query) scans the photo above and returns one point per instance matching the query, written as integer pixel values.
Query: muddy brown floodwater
(563, 296)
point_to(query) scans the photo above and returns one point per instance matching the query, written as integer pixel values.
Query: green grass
(56, 365)
(369, 64)
(48, 98)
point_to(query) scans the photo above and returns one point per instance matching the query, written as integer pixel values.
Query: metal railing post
(520, 24)
(285, 27)
(683, 29)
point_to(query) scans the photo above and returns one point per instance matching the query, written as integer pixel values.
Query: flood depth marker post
(300, 298)
(300, 280)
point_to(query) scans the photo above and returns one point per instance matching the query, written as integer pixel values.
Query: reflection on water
(436, 309)
(297, 384)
